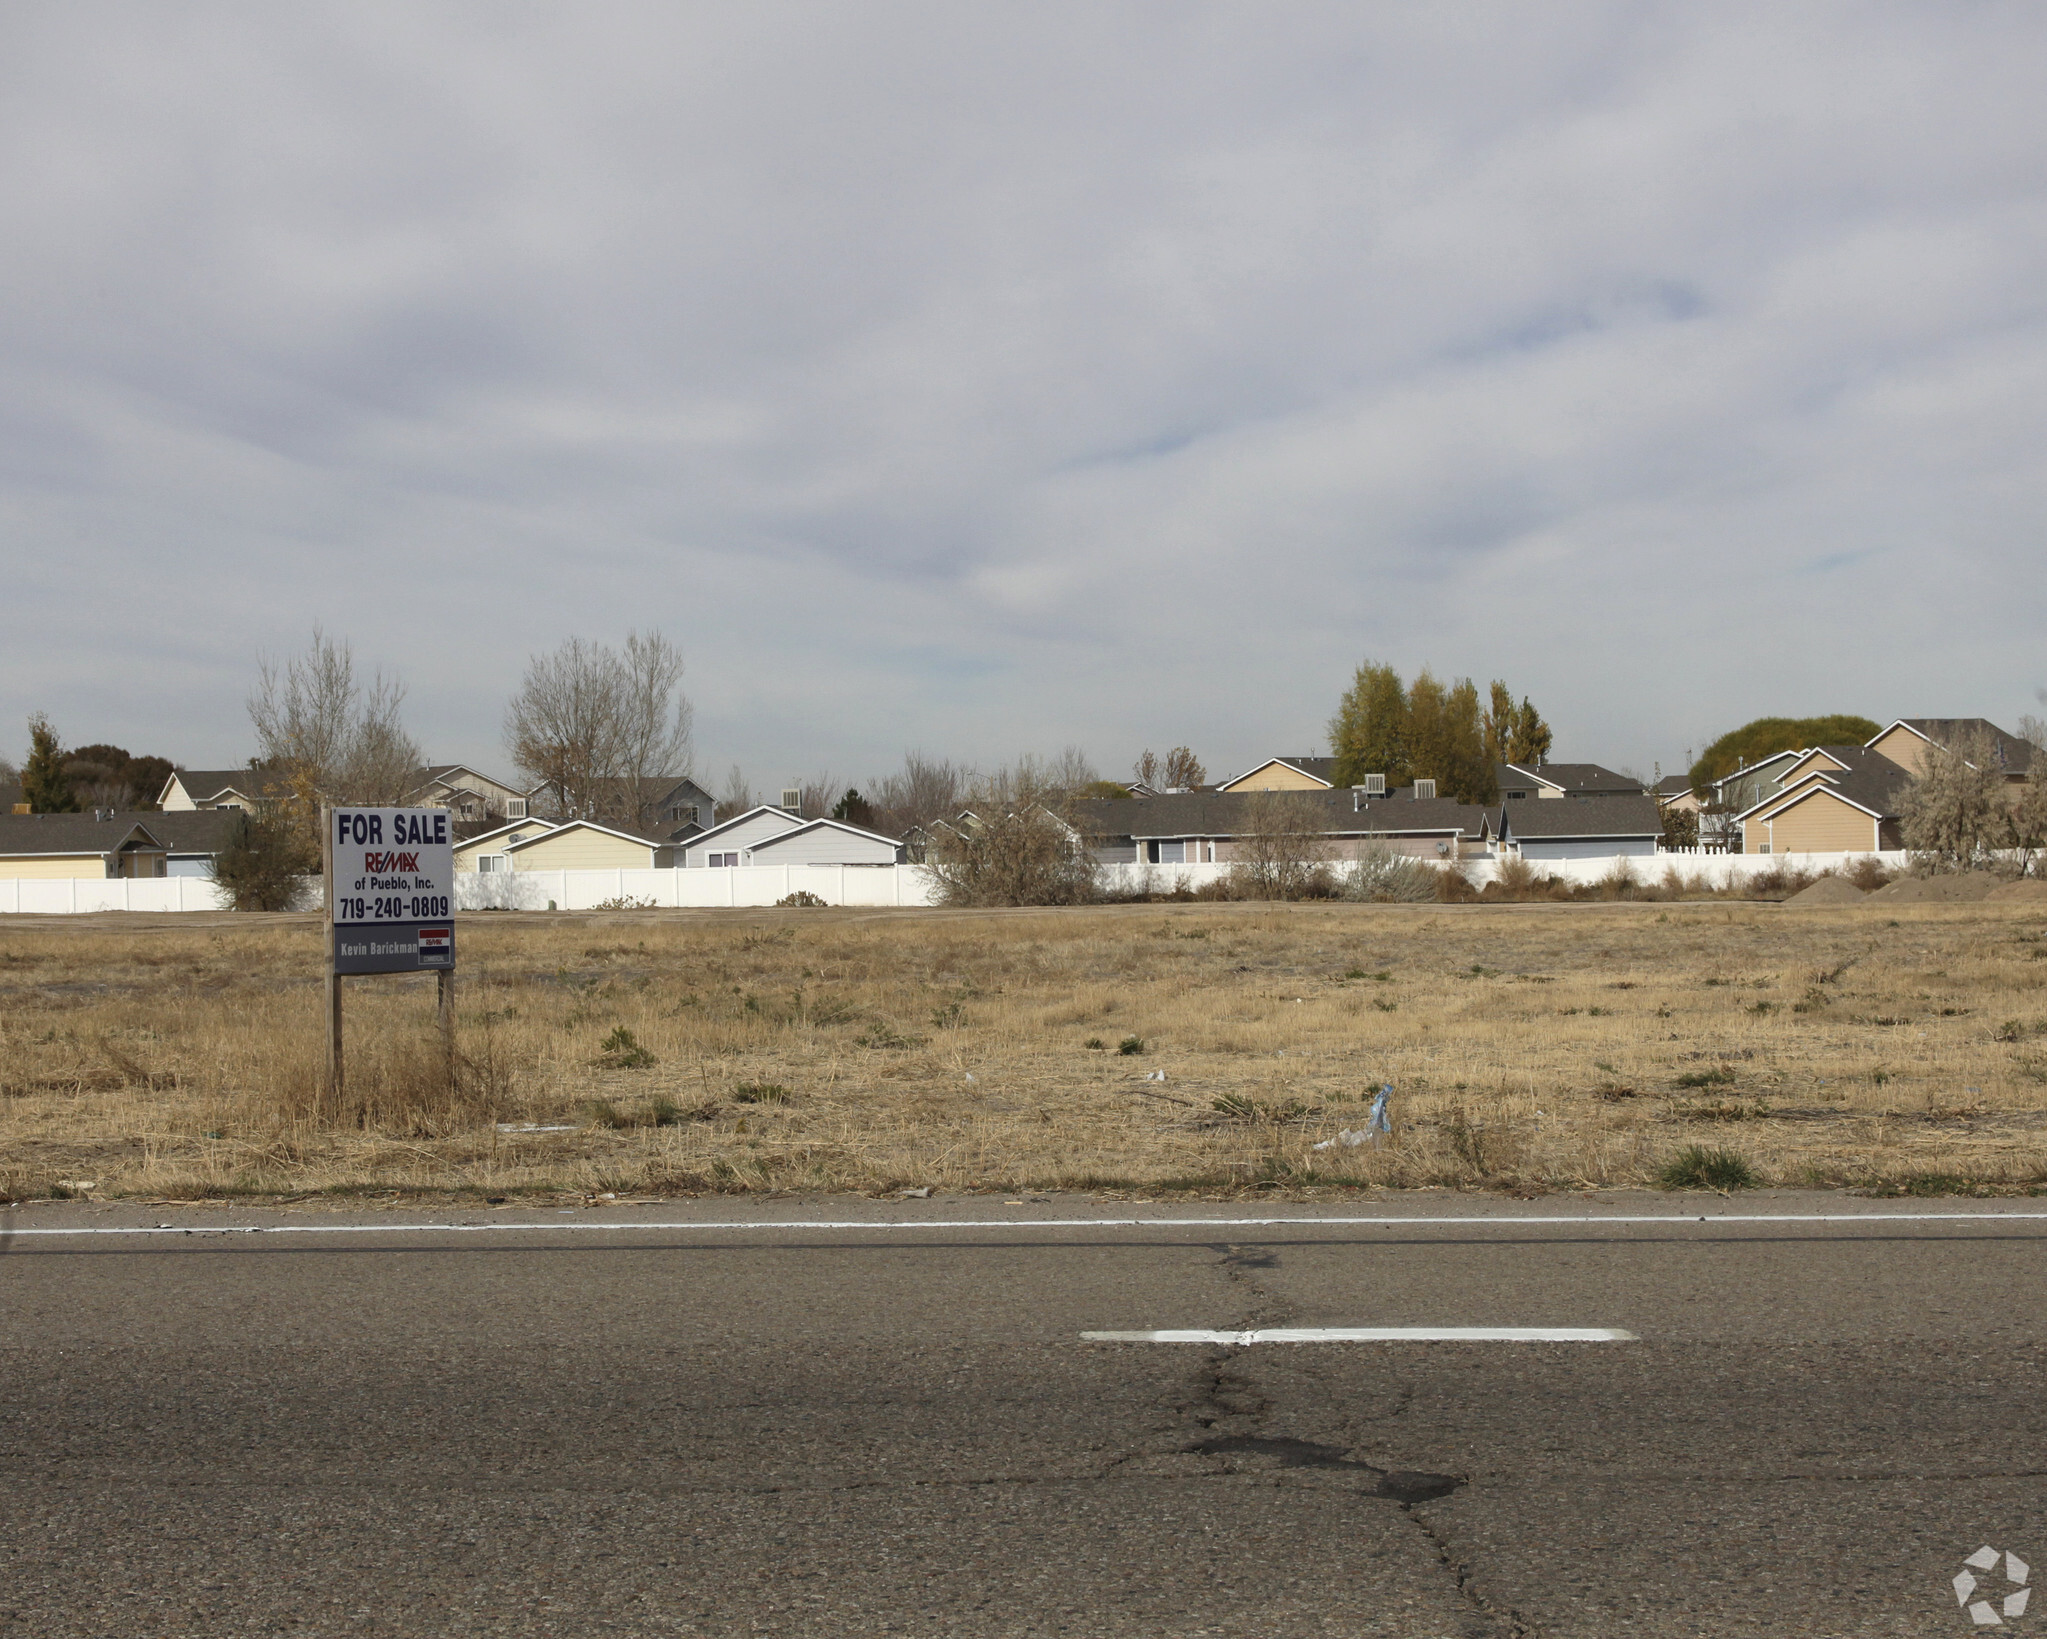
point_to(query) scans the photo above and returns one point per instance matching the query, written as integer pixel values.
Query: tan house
(49, 846)
(1286, 774)
(584, 845)
(1835, 800)
(1203, 827)
(467, 795)
(1906, 740)
(190, 788)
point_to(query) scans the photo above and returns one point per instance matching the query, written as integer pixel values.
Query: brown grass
(1530, 1046)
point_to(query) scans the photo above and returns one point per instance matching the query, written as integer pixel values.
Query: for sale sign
(392, 894)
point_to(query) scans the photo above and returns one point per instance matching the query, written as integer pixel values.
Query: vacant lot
(1142, 1048)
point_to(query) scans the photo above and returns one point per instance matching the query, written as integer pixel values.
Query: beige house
(190, 788)
(466, 794)
(492, 850)
(1906, 740)
(1286, 774)
(584, 845)
(1835, 800)
(49, 846)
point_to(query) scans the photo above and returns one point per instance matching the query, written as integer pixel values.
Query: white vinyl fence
(699, 888)
(74, 895)
(760, 885)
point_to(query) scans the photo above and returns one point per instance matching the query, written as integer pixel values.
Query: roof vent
(792, 797)
(1374, 786)
(1424, 790)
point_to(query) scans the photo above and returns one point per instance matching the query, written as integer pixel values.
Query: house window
(1165, 853)
(721, 859)
(493, 862)
(683, 813)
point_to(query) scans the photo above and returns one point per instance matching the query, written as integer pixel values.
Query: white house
(826, 842)
(730, 843)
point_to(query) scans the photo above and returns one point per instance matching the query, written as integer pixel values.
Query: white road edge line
(1378, 1334)
(854, 1225)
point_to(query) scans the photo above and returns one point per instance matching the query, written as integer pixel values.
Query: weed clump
(1697, 1167)
(1130, 1046)
(621, 1050)
(760, 1092)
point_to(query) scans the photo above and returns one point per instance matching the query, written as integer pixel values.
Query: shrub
(624, 902)
(266, 861)
(802, 899)
(760, 1092)
(622, 1051)
(1383, 876)
(1130, 1046)
(1697, 1167)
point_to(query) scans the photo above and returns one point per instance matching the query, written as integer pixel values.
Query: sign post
(390, 884)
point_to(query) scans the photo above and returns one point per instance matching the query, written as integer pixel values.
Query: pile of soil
(1961, 889)
(2027, 890)
(1829, 890)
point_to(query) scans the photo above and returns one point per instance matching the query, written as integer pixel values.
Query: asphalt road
(870, 1430)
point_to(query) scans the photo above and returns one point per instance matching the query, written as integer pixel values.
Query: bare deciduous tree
(922, 792)
(1954, 814)
(1178, 770)
(738, 797)
(329, 737)
(1282, 849)
(606, 731)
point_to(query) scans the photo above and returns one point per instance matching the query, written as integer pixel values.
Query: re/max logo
(389, 861)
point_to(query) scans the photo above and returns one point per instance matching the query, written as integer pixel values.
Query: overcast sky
(984, 379)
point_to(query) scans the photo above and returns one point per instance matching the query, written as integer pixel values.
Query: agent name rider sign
(392, 894)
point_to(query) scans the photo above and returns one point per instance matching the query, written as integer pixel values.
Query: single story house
(1518, 780)
(492, 850)
(105, 844)
(1833, 800)
(732, 842)
(1203, 828)
(826, 842)
(1590, 827)
(1286, 774)
(584, 845)
(193, 840)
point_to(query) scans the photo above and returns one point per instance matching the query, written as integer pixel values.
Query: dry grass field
(1530, 1047)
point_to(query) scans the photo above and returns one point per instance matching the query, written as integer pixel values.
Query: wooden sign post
(389, 876)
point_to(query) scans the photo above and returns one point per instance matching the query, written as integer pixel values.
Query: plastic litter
(529, 1127)
(1378, 1121)
(1346, 1137)
(921, 1193)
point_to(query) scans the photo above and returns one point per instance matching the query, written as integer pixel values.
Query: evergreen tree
(44, 785)
(854, 809)
(1368, 734)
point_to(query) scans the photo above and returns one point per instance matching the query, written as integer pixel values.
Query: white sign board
(392, 900)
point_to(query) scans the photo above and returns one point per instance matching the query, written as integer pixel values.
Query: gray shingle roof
(1593, 816)
(1229, 814)
(198, 831)
(1573, 778)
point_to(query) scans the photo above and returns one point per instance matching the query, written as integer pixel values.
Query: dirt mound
(1937, 890)
(1829, 890)
(2026, 891)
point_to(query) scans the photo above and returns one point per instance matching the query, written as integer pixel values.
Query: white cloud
(985, 380)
